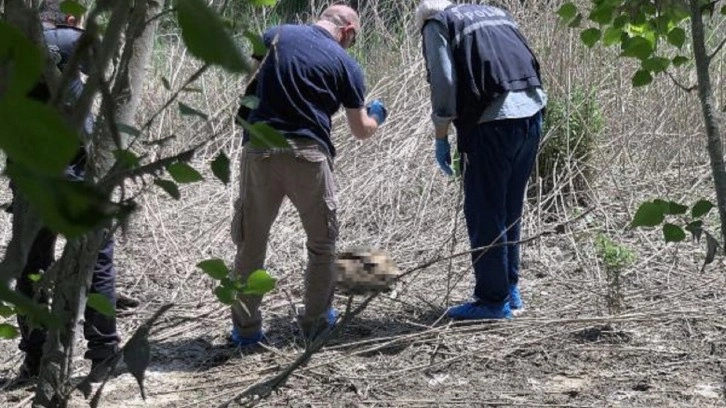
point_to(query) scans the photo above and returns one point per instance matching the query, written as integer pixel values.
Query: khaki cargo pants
(304, 174)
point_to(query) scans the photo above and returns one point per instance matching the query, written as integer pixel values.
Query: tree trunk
(75, 268)
(128, 82)
(73, 271)
(705, 94)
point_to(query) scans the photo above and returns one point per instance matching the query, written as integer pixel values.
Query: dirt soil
(664, 348)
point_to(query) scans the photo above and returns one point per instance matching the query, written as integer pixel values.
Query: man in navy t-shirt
(303, 80)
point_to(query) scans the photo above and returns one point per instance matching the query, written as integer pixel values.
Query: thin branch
(159, 15)
(716, 51)
(678, 84)
(174, 96)
(117, 178)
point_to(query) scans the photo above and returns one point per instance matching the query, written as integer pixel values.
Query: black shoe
(31, 367)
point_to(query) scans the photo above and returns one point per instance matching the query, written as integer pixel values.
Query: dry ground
(664, 348)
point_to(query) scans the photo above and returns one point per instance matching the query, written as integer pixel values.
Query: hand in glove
(377, 111)
(443, 156)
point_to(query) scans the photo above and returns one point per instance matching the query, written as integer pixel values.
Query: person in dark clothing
(61, 37)
(486, 80)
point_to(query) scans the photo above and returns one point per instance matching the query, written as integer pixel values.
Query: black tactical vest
(491, 57)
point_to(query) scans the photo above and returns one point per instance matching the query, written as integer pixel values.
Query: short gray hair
(427, 9)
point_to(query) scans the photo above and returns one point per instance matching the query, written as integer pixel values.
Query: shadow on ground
(284, 335)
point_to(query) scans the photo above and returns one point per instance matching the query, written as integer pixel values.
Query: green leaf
(259, 49)
(590, 36)
(711, 249)
(22, 61)
(67, 207)
(8, 331)
(676, 209)
(250, 101)
(671, 207)
(34, 135)
(214, 268)
(648, 215)
(128, 129)
(637, 47)
(73, 8)
(612, 36)
(567, 12)
(264, 136)
(639, 18)
(6, 311)
(677, 37)
(128, 159)
(620, 21)
(655, 64)
(673, 233)
(602, 14)
(225, 294)
(696, 229)
(205, 36)
(662, 24)
(34, 277)
(259, 283)
(101, 304)
(575, 21)
(263, 2)
(220, 167)
(228, 282)
(187, 110)
(170, 187)
(701, 208)
(680, 60)
(183, 173)
(165, 83)
(642, 78)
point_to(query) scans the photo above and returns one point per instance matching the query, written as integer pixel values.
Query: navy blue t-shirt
(305, 78)
(62, 42)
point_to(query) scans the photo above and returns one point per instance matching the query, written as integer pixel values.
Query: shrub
(573, 124)
(615, 258)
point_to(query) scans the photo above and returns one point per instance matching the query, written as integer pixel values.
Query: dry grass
(667, 348)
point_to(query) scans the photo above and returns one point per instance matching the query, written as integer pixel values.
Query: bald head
(341, 15)
(342, 22)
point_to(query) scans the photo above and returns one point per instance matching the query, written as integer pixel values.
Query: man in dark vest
(485, 79)
(61, 37)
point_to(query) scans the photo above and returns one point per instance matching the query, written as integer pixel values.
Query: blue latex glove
(377, 111)
(443, 156)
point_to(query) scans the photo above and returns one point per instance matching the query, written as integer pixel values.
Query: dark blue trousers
(99, 330)
(497, 159)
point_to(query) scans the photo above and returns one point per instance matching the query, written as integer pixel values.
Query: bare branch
(716, 51)
(678, 84)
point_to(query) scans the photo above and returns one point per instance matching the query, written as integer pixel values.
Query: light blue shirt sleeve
(442, 76)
